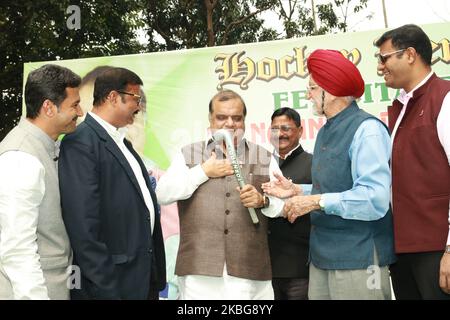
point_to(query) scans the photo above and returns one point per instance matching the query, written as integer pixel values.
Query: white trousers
(196, 287)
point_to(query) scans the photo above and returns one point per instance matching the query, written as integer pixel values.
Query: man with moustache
(289, 243)
(351, 240)
(113, 222)
(222, 254)
(34, 247)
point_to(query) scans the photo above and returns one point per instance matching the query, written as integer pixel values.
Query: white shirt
(22, 188)
(275, 152)
(118, 135)
(443, 129)
(179, 183)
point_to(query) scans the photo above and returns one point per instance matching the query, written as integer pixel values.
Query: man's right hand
(281, 187)
(214, 168)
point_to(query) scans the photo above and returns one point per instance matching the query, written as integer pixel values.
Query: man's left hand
(250, 197)
(444, 273)
(300, 205)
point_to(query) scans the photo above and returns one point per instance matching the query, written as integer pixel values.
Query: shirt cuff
(198, 175)
(331, 203)
(448, 238)
(275, 209)
(306, 188)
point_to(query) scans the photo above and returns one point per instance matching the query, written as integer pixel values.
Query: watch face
(321, 204)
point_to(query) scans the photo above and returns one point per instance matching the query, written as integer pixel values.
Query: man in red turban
(335, 73)
(351, 239)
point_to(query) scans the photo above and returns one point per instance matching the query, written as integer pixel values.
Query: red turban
(335, 73)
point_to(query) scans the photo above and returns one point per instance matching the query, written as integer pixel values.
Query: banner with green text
(179, 84)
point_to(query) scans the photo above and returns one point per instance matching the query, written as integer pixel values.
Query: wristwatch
(447, 249)
(322, 204)
(266, 201)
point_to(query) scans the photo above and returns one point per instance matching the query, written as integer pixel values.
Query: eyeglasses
(282, 128)
(312, 87)
(139, 98)
(382, 58)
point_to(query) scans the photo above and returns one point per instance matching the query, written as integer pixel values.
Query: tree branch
(210, 5)
(240, 21)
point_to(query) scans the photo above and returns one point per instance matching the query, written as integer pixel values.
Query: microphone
(55, 158)
(224, 135)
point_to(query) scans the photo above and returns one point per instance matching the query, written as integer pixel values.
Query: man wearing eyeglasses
(420, 134)
(289, 243)
(113, 221)
(351, 239)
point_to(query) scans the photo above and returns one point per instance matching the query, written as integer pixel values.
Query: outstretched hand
(281, 187)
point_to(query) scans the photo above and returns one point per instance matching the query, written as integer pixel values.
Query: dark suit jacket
(289, 242)
(106, 218)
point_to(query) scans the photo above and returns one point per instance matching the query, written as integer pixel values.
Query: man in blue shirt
(351, 242)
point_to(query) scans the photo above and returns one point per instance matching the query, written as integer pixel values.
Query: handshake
(296, 204)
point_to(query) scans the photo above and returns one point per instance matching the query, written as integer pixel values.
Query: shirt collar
(275, 152)
(117, 134)
(405, 96)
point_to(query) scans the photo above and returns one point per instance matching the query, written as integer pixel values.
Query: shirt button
(227, 211)
(226, 231)
(227, 194)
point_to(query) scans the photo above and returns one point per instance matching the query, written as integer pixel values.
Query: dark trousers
(415, 276)
(290, 288)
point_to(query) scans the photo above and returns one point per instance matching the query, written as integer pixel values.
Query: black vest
(289, 242)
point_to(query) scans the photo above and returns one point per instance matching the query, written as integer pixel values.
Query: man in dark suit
(109, 208)
(289, 243)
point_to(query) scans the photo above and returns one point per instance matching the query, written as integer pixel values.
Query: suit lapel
(112, 147)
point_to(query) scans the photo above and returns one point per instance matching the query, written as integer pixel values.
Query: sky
(399, 12)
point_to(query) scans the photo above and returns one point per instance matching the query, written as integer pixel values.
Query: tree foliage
(300, 20)
(175, 24)
(37, 31)
(32, 30)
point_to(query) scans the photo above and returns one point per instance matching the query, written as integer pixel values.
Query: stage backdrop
(179, 84)
(269, 75)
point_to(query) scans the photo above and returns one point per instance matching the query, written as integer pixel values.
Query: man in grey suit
(34, 247)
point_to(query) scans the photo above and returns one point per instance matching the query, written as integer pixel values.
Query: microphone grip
(238, 175)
